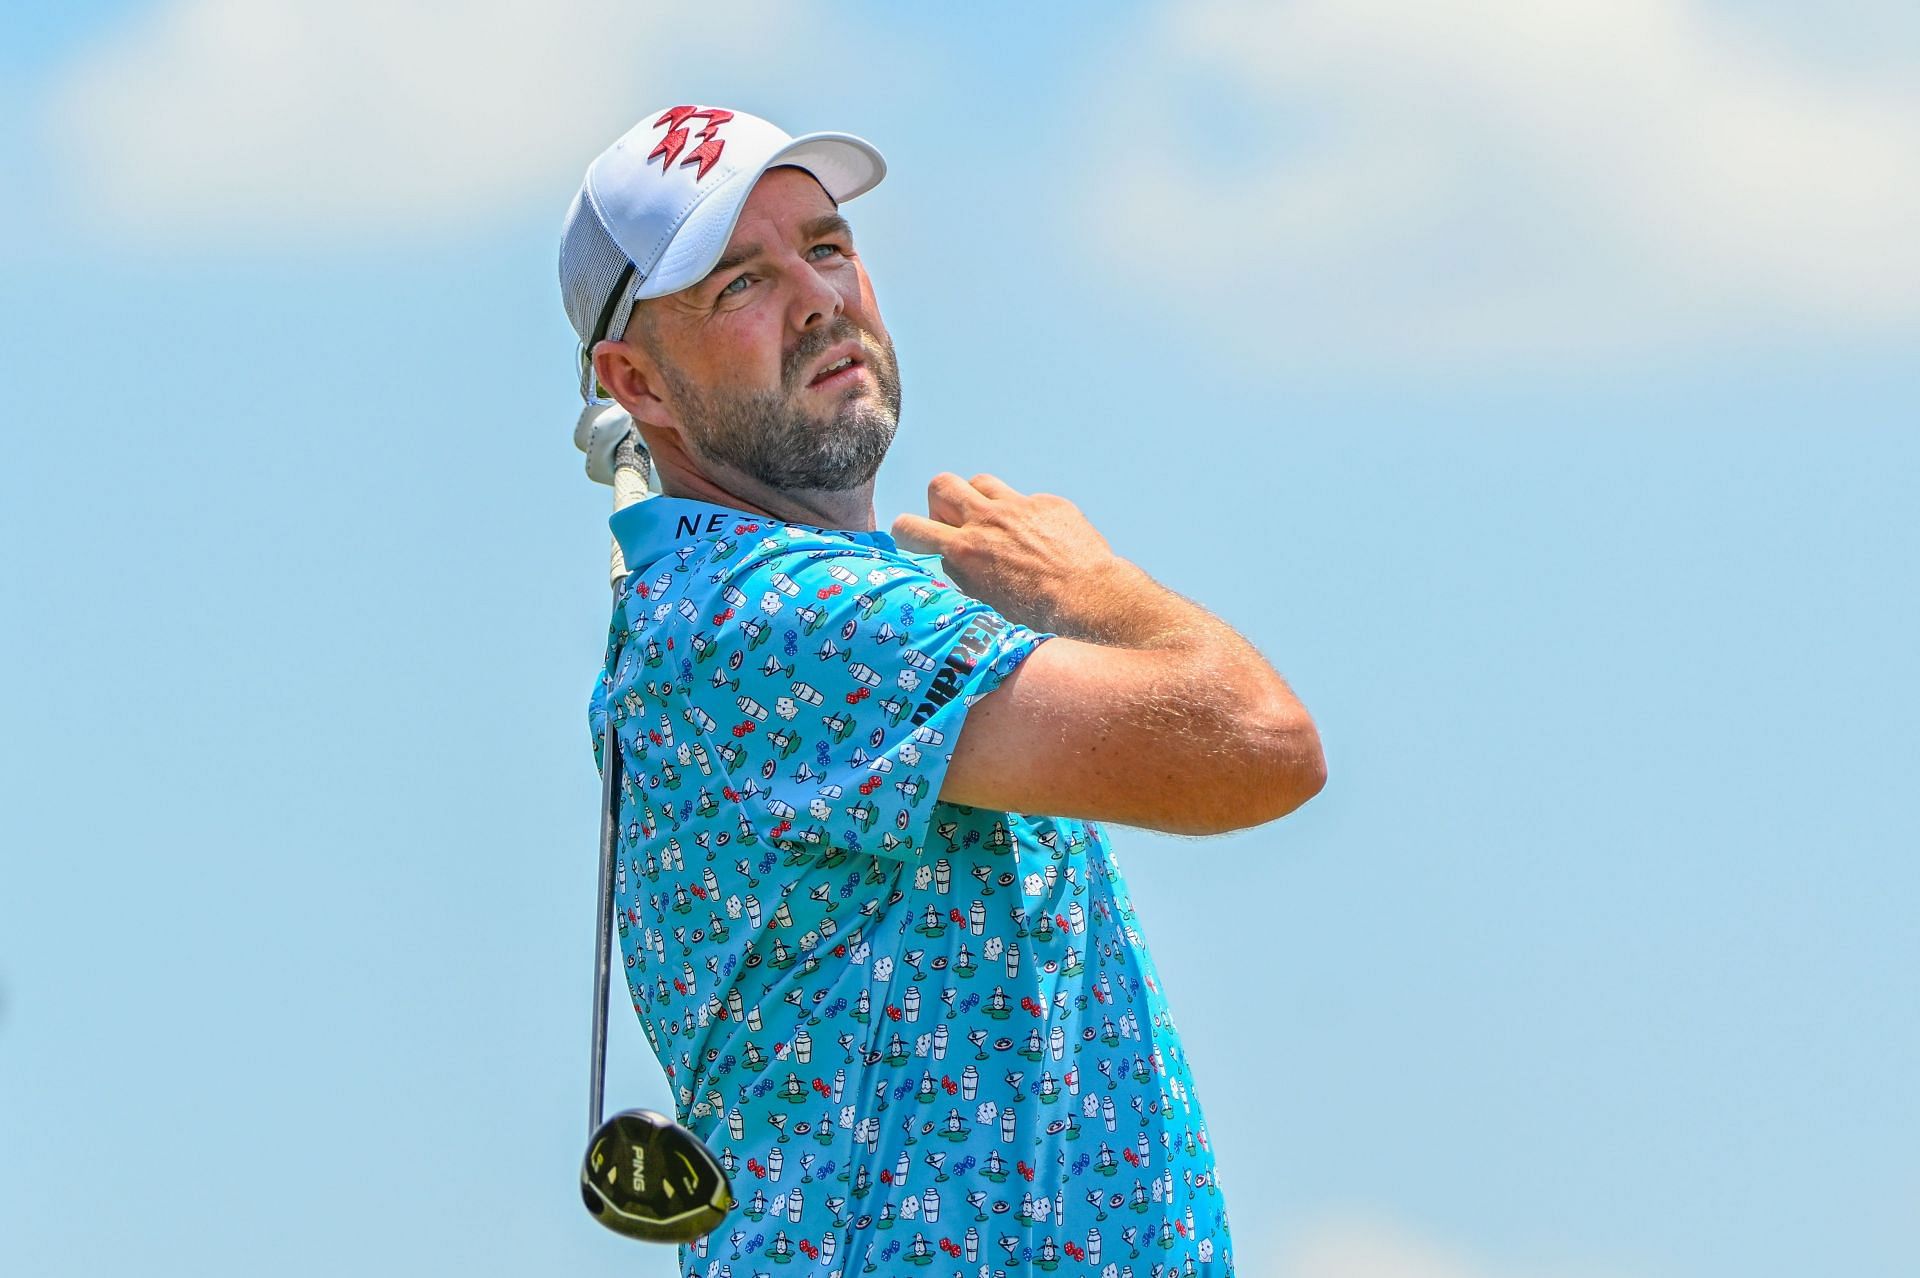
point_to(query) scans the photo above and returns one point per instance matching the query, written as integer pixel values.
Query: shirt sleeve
(846, 718)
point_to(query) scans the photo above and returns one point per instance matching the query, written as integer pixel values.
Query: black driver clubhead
(649, 1178)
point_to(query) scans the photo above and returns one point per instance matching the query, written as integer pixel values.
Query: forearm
(1120, 606)
(1233, 712)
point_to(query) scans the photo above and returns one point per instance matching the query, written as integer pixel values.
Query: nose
(817, 301)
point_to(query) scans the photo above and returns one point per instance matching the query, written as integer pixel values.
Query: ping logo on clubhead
(639, 1170)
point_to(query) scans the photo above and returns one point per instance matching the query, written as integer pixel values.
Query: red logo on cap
(704, 155)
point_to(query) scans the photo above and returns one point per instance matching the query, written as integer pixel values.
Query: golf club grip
(629, 486)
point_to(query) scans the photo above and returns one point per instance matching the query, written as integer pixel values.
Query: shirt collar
(650, 530)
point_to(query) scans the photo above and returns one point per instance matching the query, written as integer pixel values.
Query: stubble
(769, 437)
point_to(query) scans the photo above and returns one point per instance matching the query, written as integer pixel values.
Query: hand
(1023, 555)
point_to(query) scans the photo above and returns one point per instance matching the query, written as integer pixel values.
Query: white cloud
(1458, 182)
(1357, 1245)
(268, 119)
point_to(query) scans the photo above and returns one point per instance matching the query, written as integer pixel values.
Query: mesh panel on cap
(590, 264)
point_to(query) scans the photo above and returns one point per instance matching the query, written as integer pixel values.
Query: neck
(851, 510)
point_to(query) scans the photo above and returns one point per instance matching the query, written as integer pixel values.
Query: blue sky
(1535, 384)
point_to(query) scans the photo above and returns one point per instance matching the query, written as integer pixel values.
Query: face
(777, 365)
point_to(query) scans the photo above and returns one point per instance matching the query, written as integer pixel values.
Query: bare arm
(1148, 710)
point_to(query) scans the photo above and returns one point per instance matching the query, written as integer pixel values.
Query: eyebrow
(824, 225)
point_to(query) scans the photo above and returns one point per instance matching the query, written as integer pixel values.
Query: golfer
(869, 917)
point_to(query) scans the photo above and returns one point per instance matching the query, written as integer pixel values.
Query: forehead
(781, 200)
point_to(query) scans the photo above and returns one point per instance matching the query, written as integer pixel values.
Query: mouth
(843, 367)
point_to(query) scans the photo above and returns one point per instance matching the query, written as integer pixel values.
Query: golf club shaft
(629, 486)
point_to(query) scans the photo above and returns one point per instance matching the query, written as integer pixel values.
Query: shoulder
(811, 567)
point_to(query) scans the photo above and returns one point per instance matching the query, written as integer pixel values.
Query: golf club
(644, 1175)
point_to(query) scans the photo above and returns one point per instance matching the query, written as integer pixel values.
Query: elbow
(1286, 768)
(1309, 770)
(1274, 770)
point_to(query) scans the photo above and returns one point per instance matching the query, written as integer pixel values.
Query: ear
(629, 375)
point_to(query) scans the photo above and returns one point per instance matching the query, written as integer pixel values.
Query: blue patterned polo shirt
(921, 1037)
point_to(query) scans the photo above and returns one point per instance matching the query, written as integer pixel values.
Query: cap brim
(844, 165)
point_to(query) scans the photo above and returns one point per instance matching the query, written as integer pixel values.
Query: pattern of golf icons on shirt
(920, 1037)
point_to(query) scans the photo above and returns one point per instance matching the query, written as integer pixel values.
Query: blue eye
(737, 286)
(831, 248)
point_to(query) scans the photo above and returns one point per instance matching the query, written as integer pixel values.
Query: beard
(767, 435)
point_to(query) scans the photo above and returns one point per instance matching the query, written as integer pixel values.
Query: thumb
(921, 536)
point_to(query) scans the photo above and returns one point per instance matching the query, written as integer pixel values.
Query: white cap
(656, 208)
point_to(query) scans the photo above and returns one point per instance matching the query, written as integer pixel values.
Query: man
(914, 1017)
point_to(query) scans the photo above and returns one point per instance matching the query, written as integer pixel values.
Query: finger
(951, 499)
(921, 536)
(993, 486)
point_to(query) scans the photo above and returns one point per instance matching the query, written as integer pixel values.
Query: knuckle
(968, 551)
